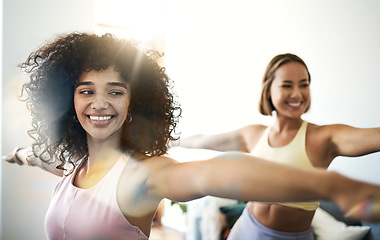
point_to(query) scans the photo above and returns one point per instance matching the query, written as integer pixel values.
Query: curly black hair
(54, 71)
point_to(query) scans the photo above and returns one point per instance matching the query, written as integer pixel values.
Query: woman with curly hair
(103, 113)
(290, 140)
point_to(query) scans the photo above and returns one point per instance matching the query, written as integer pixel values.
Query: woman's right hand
(16, 156)
(23, 156)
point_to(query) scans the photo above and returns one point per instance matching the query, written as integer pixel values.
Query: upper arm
(351, 141)
(143, 184)
(137, 195)
(195, 179)
(174, 180)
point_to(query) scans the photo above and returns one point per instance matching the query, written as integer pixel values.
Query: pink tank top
(93, 213)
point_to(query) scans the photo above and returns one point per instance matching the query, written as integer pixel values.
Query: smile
(295, 104)
(100, 118)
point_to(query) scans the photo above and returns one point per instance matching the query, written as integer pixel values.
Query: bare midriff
(281, 218)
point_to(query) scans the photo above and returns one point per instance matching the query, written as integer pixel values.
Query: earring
(129, 118)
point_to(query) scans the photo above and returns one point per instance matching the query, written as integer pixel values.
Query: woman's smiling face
(101, 102)
(290, 92)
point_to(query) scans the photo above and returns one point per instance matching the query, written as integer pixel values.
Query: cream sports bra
(293, 153)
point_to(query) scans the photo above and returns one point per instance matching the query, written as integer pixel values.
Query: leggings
(248, 227)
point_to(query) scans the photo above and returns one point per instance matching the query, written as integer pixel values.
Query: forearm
(18, 155)
(23, 156)
(218, 142)
(241, 176)
(251, 179)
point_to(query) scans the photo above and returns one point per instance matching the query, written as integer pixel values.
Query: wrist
(17, 156)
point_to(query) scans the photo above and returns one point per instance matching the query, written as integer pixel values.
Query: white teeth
(100, 118)
(295, 104)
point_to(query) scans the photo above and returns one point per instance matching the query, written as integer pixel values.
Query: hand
(359, 200)
(368, 210)
(13, 157)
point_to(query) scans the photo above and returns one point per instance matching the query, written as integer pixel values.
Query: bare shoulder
(255, 128)
(318, 145)
(156, 166)
(159, 162)
(321, 142)
(317, 133)
(141, 183)
(251, 134)
(325, 130)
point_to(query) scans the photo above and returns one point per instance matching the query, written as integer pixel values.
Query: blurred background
(216, 51)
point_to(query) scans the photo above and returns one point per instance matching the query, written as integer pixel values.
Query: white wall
(217, 52)
(27, 24)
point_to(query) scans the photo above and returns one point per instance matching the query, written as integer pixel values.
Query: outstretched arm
(352, 142)
(244, 177)
(231, 141)
(23, 156)
(237, 140)
(240, 176)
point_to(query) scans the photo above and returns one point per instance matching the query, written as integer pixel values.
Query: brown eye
(116, 93)
(86, 92)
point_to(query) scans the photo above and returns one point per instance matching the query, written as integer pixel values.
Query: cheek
(78, 106)
(123, 107)
(274, 94)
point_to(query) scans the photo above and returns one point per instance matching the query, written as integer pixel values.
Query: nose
(296, 92)
(99, 102)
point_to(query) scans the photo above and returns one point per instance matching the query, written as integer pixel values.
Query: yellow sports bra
(293, 154)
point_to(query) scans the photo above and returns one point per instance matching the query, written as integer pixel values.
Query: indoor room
(216, 53)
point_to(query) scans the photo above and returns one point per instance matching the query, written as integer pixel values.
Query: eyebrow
(301, 81)
(117, 84)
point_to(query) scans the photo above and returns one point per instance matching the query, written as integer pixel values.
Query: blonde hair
(265, 105)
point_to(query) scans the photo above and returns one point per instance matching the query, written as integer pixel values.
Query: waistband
(305, 235)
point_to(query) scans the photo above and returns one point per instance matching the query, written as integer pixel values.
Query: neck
(101, 159)
(282, 124)
(100, 150)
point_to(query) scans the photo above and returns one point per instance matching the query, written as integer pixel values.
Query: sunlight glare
(142, 19)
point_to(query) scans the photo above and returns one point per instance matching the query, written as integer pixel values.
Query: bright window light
(143, 20)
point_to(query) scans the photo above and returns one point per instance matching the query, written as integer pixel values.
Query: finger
(8, 159)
